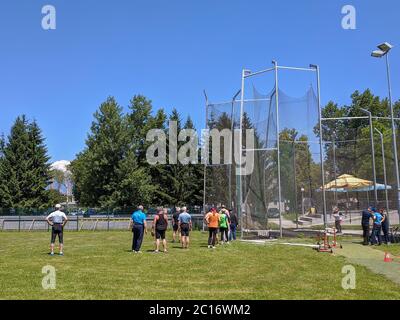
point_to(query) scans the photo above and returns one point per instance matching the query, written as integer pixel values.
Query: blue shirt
(378, 218)
(138, 217)
(185, 217)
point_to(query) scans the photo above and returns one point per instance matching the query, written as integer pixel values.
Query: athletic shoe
(51, 253)
(156, 251)
(165, 251)
(209, 247)
(61, 253)
(214, 247)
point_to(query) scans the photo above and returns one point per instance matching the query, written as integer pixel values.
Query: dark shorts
(175, 227)
(160, 234)
(57, 230)
(185, 230)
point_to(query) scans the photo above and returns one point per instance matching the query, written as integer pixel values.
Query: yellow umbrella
(348, 182)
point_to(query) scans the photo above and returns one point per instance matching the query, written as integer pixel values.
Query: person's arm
(190, 224)
(145, 226)
(48, 219)
(206, 219)
(130, 224)
(154, 223)
(65, 220)
(166, 219)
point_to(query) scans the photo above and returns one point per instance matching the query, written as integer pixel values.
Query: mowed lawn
(99, 265)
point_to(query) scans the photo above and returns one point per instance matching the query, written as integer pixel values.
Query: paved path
(372, 259)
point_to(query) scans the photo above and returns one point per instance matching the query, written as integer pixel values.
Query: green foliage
(55, 196)
(352, 137)
(112, 170)
(24, 167)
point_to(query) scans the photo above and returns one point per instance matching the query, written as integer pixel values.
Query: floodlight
(378, 53)
(385, 47)
(247, 72)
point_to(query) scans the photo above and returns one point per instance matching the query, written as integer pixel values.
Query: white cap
(58, 206)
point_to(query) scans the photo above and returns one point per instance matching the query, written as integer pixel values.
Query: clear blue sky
(171, 50)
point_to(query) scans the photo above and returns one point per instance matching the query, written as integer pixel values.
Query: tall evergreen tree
(24, 168)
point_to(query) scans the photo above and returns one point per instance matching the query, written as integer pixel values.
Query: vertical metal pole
(321, 148)
(206, 152)
(295, 182)
(334, 168)
(238, 173)
(278, 147)
(232, 146)
(371, 132)
(396, 161)
(384, 175)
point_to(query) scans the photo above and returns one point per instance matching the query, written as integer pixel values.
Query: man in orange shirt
(212, 220)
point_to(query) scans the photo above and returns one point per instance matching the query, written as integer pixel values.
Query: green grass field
(99, 265)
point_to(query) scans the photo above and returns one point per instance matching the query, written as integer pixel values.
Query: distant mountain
(61, 165)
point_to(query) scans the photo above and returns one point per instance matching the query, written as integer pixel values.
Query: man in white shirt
(57, 220)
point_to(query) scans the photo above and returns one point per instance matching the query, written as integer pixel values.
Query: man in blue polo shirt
(139, 227)
(377, 228)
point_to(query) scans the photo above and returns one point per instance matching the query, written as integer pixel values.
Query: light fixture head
(385, 47)
(246, 72)
(378, 53)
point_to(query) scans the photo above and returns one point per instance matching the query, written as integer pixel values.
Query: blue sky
(171, 50)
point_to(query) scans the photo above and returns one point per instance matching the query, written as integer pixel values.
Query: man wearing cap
(139, 228)
(376, 238)
(185, 225)
(57, 221)
(365, 220)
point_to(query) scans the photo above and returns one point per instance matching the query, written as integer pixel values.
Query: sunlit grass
(99, 265)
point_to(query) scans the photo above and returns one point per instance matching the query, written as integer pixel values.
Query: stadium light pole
(383, 51)
(371, 132)
(384, 175)
(316, 68)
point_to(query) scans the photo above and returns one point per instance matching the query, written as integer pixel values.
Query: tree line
(112, 171)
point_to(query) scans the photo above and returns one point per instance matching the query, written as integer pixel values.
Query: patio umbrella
(348, 182)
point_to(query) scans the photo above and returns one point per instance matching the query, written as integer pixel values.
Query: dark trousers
(376, 234)
(338, 226)
(212, 235)
(224, 234)
(232, 235)
(365, 229)
(138, 232)
(386, 237)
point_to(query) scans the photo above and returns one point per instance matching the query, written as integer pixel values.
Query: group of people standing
(181, 221)
(225, 221)
(380, 224)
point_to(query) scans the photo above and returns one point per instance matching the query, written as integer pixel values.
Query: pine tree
(24, 168)
(94, 169)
